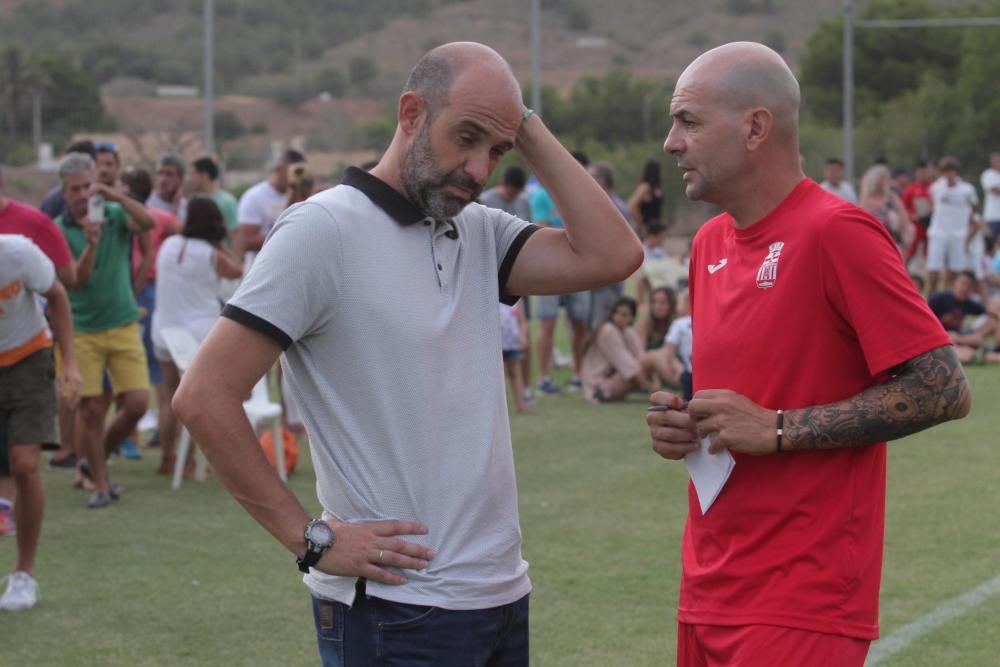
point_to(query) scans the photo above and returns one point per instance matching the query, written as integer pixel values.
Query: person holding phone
(99, 223)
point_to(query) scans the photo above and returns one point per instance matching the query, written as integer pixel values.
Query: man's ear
(412, 112)
(759, 123)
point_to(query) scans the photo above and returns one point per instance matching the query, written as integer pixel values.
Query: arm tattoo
(924, 391)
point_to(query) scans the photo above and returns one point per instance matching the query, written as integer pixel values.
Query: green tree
(361, 69)
(228, 126)
(330, 80)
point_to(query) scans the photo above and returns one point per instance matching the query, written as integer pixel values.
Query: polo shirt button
(427, 223)
(440, 268)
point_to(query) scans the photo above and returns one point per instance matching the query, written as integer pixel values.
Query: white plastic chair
(261, 409)
(258, 408)
(182, 347)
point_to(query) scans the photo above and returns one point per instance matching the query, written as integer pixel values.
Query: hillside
(258, 40)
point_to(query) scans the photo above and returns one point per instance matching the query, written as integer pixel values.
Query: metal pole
(209, 92)
(36, 120)
(848, 91)
(536, 56)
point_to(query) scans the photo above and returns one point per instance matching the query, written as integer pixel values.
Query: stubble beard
(424, 183)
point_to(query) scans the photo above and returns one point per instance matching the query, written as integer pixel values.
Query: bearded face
(438, 193)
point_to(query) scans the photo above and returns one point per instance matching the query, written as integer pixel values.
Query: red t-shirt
(161, 219)
(811, 305)
(18, 218)
(917, 200)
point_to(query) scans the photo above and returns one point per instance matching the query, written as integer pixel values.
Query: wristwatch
(319, 538)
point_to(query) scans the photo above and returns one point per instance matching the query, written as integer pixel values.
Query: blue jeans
(379, 633)
(147, 300)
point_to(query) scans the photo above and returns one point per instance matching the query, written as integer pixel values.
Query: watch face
(320, 533)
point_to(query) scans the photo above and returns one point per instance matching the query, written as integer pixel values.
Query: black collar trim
(401, 209)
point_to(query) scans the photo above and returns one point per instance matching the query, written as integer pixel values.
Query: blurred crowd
(138, 254)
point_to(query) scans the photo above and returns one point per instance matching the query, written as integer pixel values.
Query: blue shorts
(513, 355)
(577, 306)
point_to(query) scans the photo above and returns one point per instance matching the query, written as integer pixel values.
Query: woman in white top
(188, 269)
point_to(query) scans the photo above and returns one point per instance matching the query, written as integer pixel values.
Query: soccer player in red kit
(837, 353)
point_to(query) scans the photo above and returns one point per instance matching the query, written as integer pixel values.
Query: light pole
(209, 82)
(536, 56)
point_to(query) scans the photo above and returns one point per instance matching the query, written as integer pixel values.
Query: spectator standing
(169, 193)
(21, 219)
(879, 198)
(105, 313)
(919, 205)
(204, 180)
(54, 203)
(28, 400)
(603, 299)
(953, 226)
(262, 203)
(645, 206)
(577, 305)
(138, 185)
(513, 338)
(190, 266)
(509, 196)
(990, 181)
(833, 181)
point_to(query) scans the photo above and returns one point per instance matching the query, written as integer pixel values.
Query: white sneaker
(148, 422)
(22, 593)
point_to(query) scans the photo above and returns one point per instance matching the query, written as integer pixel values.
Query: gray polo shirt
(392, 350)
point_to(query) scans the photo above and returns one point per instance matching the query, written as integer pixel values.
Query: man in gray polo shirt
(382, 294)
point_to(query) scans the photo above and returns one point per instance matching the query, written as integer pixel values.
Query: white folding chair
(182, 347)
(260, 409)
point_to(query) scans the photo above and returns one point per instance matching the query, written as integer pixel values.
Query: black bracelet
(781, 427)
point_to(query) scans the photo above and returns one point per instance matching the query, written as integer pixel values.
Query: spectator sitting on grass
(610, 368)
(953, 307)
(653, 328)
(671, 364)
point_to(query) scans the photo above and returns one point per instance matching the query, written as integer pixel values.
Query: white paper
(709, 472)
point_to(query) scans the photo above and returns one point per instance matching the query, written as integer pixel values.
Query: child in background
(513, 339)
(679, 341)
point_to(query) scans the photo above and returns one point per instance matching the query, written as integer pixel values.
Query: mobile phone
(95, 208)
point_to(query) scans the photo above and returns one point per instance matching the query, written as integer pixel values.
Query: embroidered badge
(767, 275)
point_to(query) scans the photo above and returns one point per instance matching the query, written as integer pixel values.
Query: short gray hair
(431, 78)
(171, 160)
(75, 163)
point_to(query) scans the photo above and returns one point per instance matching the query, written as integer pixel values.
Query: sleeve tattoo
(923, 392)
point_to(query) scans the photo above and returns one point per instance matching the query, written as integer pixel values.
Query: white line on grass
(949, 611)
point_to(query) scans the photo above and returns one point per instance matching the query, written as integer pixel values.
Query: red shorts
(765, 646)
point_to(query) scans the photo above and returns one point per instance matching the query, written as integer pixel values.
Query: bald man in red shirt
(838, 354)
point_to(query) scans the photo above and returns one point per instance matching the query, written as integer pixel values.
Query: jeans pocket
(398, 616)
(329, 618)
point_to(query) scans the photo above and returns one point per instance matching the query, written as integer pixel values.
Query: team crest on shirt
(767, 275)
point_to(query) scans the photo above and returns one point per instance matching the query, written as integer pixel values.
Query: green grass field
(187, 578)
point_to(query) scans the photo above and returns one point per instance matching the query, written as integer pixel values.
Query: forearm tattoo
(924, 391)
